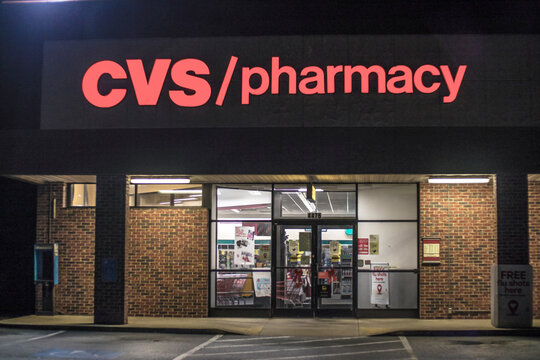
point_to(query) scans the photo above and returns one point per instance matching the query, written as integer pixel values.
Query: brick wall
(464, 218)
(168, 262)
(73, 230)
(167, 258)
(534, 242)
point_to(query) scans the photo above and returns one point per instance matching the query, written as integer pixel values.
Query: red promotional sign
(431, 253)
(363, 246)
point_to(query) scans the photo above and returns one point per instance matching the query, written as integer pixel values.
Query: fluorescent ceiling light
(292, 191)
(458, 180)
(160, 181)
(182, 191)
(310, 206)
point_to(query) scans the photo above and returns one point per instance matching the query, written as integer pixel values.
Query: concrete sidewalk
(326, 327)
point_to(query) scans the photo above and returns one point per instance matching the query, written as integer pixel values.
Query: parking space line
(332, 355)
(33, 339)
(197, 348)
(408, 347)
(254, 338)
(288, 342)
(298, 349)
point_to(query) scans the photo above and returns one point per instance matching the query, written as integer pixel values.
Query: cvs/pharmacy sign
(191, 76)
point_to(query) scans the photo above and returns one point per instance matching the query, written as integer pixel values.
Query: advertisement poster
(263, 283)
(244, 245)
(363, 246)
(264, 254)
(374, 244)
(379, 284)
(305, 241)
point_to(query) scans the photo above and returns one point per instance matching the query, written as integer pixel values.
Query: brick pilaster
(512, 219)
(112, 216)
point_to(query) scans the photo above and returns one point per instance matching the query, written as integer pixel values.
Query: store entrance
(314, 269)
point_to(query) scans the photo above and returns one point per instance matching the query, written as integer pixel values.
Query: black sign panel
(292, 81)
(325, 291)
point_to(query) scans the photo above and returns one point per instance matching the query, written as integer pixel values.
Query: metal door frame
(314, 224)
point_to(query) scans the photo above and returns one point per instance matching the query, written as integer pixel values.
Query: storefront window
(177, 195)
(242, 247)
(248, 202)
(332, 201)
(387, 246)
(387, 202)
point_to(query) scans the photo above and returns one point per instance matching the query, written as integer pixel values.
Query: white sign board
(244, 245)
(379, 284)
(262, 282)
(511, 296)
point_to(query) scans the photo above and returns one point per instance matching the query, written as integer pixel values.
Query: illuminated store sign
(289, 81)
(190, 75)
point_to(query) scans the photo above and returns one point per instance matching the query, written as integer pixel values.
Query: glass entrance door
(314, 269)
(294, 261)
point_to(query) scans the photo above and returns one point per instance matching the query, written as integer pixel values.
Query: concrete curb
(508, 332)
(113, 328)
(534, 332)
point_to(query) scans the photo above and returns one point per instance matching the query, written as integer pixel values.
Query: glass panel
(243, 245)
(293, 288)
(336, 201)
(394, 243)
(335, 272)
(335, 246)
(402, 291)
(293, 246)
(243, 289)
(387, 202)
(83, 195)
(293, 273)
(169, 195)
(250, 202)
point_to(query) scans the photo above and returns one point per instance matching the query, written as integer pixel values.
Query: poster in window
(363, 246)
(244, 245)
(379, 284)
(263, 284)
(374, 244)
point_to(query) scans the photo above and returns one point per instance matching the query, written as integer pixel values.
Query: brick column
(512, 219)
(511, 277)
(112, 216)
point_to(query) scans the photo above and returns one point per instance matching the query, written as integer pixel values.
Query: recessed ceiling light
(181, 191)
(458, 180)
(160, 181)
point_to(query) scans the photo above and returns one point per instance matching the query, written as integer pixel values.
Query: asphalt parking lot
(43, 344)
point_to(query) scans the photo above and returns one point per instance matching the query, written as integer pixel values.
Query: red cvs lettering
(148, 88)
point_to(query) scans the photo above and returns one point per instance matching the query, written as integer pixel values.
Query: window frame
(69, 192)
(171, 200)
